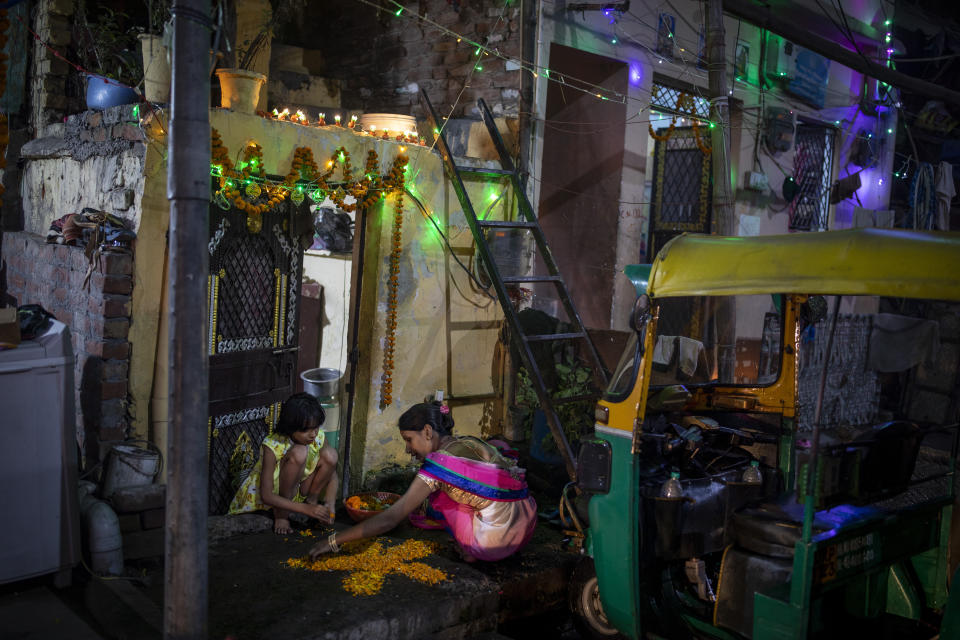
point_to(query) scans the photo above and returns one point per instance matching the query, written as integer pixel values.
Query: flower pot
(240, 89)
(103, 93)
(156, 68)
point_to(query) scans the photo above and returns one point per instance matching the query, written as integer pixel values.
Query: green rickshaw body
(644, 544)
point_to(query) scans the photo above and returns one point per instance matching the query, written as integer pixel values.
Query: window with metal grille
(812, 171)
(681, 194)
(665, 98)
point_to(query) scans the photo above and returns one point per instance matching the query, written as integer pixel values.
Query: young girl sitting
(479, 495)
(295, 466)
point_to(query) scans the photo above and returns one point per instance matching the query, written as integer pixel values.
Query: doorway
(582, 163)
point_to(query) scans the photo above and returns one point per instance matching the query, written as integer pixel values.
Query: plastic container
(103, 93)
(752, 475)
(671, 487)
(331, 422)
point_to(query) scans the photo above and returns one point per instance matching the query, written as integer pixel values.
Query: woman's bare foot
(282, 526)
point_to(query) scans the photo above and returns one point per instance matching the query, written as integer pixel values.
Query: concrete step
(38, 613)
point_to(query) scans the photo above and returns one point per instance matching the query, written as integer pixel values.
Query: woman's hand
(319, 549)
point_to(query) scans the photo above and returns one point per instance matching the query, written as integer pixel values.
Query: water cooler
(39, 533)
(324, 384)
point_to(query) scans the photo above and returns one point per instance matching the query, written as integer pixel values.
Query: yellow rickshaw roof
(883, 262)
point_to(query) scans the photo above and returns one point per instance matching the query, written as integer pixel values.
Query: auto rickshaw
(845, 525)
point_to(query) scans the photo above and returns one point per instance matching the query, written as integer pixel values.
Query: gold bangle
(332, 542)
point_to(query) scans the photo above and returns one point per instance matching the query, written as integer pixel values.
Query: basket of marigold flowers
(366, 505)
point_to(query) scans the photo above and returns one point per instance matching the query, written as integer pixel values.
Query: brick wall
(383, 61)
(49, 75)
(52, 275)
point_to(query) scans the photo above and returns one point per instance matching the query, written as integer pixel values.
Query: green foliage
(573, 379)
(107, 44)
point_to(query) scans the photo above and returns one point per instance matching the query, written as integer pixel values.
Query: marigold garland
(396, 177)
(705, 150)
(369, 563)
(365, 191)
(662, 137)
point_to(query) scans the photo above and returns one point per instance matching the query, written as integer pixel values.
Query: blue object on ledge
(103, 93)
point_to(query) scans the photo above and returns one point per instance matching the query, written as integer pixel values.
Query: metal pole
(813, 464)
(188, 189)
(722, 219)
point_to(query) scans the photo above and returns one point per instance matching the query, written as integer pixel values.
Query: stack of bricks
(140, 511)
(49, 73)
(52, 276)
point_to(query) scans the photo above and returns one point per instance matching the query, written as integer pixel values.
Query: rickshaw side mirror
(640, 314)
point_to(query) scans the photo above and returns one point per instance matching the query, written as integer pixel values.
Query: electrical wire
(453, 254)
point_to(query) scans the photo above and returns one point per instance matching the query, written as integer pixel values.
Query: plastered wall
(632, 39)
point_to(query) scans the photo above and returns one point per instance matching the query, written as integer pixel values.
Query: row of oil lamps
(300, 117)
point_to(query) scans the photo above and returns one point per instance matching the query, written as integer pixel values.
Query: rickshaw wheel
(583, 596)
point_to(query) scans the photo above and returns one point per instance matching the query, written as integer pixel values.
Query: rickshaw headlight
(601, 414)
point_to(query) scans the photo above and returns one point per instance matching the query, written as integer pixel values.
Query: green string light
(399, 11)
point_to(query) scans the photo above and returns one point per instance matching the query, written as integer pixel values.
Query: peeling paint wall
(447, 329)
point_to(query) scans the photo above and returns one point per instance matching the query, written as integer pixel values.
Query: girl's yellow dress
(248, 495)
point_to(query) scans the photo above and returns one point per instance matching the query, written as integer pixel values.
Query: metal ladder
(500, 283)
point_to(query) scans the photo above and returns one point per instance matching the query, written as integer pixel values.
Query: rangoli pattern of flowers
(369, 563)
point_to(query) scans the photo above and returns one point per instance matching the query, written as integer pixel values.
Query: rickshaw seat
(770, 529)
(773, 529)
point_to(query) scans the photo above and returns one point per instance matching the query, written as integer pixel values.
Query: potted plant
(573, 379)
(155, 49)
(240, 85)
(106, 48)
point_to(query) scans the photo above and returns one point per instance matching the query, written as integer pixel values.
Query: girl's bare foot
(282, 526)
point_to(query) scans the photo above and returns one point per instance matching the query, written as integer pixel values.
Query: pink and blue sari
(492, 532)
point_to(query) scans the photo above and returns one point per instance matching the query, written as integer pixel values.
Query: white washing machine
(39, 530)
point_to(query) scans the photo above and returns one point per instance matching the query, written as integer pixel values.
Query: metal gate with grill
(681, 195)
(254, 293)
(812, 171)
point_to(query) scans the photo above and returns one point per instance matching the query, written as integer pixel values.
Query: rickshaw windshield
(706, 340)
(717, 340)
(622, 380)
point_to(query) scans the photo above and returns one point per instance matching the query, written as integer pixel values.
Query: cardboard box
(9, 328)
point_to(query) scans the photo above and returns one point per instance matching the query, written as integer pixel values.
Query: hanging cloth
(945, 192)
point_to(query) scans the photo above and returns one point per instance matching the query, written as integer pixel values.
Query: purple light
(880, 182)
(890, 52)
(636, 74)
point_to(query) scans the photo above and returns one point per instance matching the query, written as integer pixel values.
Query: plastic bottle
(671, 487)
(752, 475)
